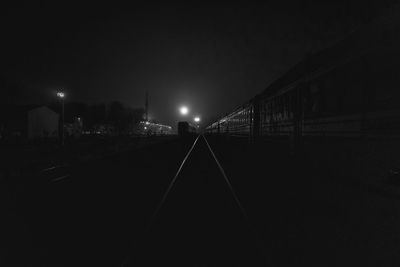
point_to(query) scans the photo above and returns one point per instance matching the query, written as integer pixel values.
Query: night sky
(210, 57)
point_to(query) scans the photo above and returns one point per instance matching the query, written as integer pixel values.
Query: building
(43, 122)
(151, 128)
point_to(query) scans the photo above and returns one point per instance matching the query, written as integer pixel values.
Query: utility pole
(61, 95)
(63, 122)
(146, 106)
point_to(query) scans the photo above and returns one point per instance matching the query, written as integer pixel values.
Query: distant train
(351, 89)
(186, 128)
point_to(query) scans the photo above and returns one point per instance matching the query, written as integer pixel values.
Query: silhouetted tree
(97, 114)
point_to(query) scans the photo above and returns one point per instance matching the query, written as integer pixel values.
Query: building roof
(42, 107)
(382, 30)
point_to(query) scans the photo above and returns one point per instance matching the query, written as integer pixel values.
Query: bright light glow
(184, 110)
(145, 127)
(61, 94)
(147, 123)
(196, 119)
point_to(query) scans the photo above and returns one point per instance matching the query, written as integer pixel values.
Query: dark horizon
(210, 57)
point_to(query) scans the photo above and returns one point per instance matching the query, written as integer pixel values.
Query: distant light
(145, 127)
(147, 123)
(61, 94)
(184, 110)
(197, 119)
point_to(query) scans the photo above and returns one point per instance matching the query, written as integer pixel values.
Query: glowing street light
(197, 119)
(184, 110)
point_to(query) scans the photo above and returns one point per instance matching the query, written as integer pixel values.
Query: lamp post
(61, 95)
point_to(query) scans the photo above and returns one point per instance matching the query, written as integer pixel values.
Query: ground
(296, 211)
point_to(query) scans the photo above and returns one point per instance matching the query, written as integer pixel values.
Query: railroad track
(55, 173)
(180, 178)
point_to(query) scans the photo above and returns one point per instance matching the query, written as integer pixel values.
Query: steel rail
(227, 181)
(240, 205)
(171, 184)
(164, 198)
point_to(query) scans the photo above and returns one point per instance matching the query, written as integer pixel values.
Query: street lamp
(61, 95)
(184, 110)
(197, 119)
